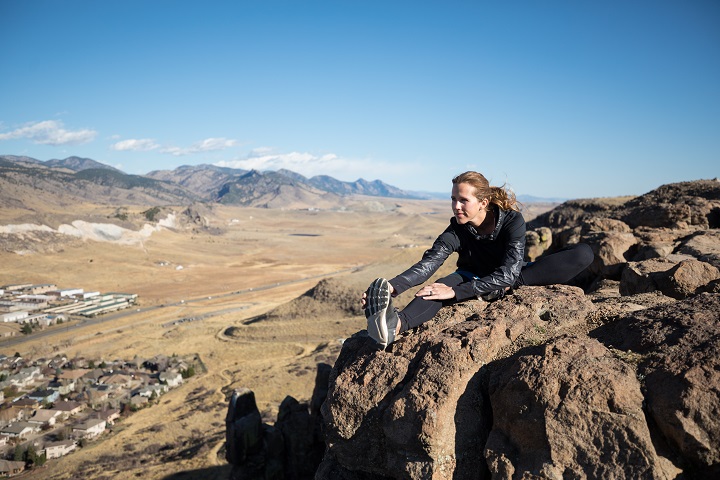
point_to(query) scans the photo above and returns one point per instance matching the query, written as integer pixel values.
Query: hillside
(29, 187)
(268, 189)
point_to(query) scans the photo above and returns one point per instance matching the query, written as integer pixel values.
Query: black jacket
(495, 260)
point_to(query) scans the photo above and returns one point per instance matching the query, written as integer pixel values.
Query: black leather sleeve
(432, 259)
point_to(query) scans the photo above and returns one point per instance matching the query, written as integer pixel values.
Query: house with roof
(73, 374)
(68, 409)
(26, 407)
(44, 395)
(98, 395)
(45, 417)
(117, 379)
(63, 386)
(90, 428)
(20, 430)
(138, 401)
(171, 378)
(9, 415)
(59, 448)
(9, 468)
(157, 389)
(109, 415)
(26, 377)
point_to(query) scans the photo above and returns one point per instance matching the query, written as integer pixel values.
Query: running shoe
(382, 318)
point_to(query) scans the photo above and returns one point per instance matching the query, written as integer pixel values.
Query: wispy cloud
(309, 164)
(135, 145)
(207, 145)
(148, 144)
(50, 132)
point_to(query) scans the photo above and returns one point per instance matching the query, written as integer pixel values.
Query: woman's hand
(436, 291)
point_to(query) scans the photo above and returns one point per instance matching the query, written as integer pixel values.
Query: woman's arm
(432, 259)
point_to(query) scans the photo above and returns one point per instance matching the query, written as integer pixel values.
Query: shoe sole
(376, 307)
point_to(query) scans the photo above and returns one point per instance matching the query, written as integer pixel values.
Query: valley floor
(279, 255)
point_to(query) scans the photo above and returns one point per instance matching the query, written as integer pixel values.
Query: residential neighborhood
(49, 407)
(54, 405)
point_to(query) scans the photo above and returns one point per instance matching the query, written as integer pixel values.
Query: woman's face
(465, 205)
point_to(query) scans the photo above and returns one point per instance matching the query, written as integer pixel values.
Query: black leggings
(558, 267)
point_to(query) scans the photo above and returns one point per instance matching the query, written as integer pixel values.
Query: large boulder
(675, 205)
(612, 251)
(687, 278)
(418, 409)
(517, 389)
(643, 277)
(677, 348)
(560, 405)
(703, 245)
(537, 242)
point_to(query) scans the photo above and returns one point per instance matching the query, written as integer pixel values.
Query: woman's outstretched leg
(559, 267)
(419, 310)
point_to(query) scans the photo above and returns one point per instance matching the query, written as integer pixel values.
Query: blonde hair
(500, 196)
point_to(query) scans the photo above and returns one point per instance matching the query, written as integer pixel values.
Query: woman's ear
(484, 203)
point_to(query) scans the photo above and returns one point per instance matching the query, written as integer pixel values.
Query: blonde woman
(488, 233)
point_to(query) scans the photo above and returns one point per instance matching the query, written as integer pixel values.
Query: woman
(488, 233)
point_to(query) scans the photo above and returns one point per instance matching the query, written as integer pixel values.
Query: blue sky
(557, 98)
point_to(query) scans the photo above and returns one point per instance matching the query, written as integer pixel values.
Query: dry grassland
(286, 251)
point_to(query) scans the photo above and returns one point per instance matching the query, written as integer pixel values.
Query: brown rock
(676, 205)
(254, 450)
(642, 277)
(686, 278)
(704, 245)
(537, 242)
(290, 450)
(564, 403)
(600, 224)
(417, 410)
(611, 250)
(670, 215)
(679, 346)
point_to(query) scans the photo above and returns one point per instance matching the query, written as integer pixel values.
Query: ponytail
(504, 198)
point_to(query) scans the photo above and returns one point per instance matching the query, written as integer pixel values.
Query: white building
(68, 292)
(13, 316)
(58, 449)
(90, 429)
(172, 379)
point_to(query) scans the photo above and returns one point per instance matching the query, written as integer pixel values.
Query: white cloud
(207, 145)
(148, 144)
(309, 164)
(135, 145)
(50, 132)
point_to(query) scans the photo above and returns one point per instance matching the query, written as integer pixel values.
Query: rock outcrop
(290, 449)
(617, 379)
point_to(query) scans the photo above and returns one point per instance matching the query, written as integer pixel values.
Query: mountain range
(61, 182)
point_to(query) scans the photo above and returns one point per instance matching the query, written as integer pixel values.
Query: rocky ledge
(618, 379)
(541, 384)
